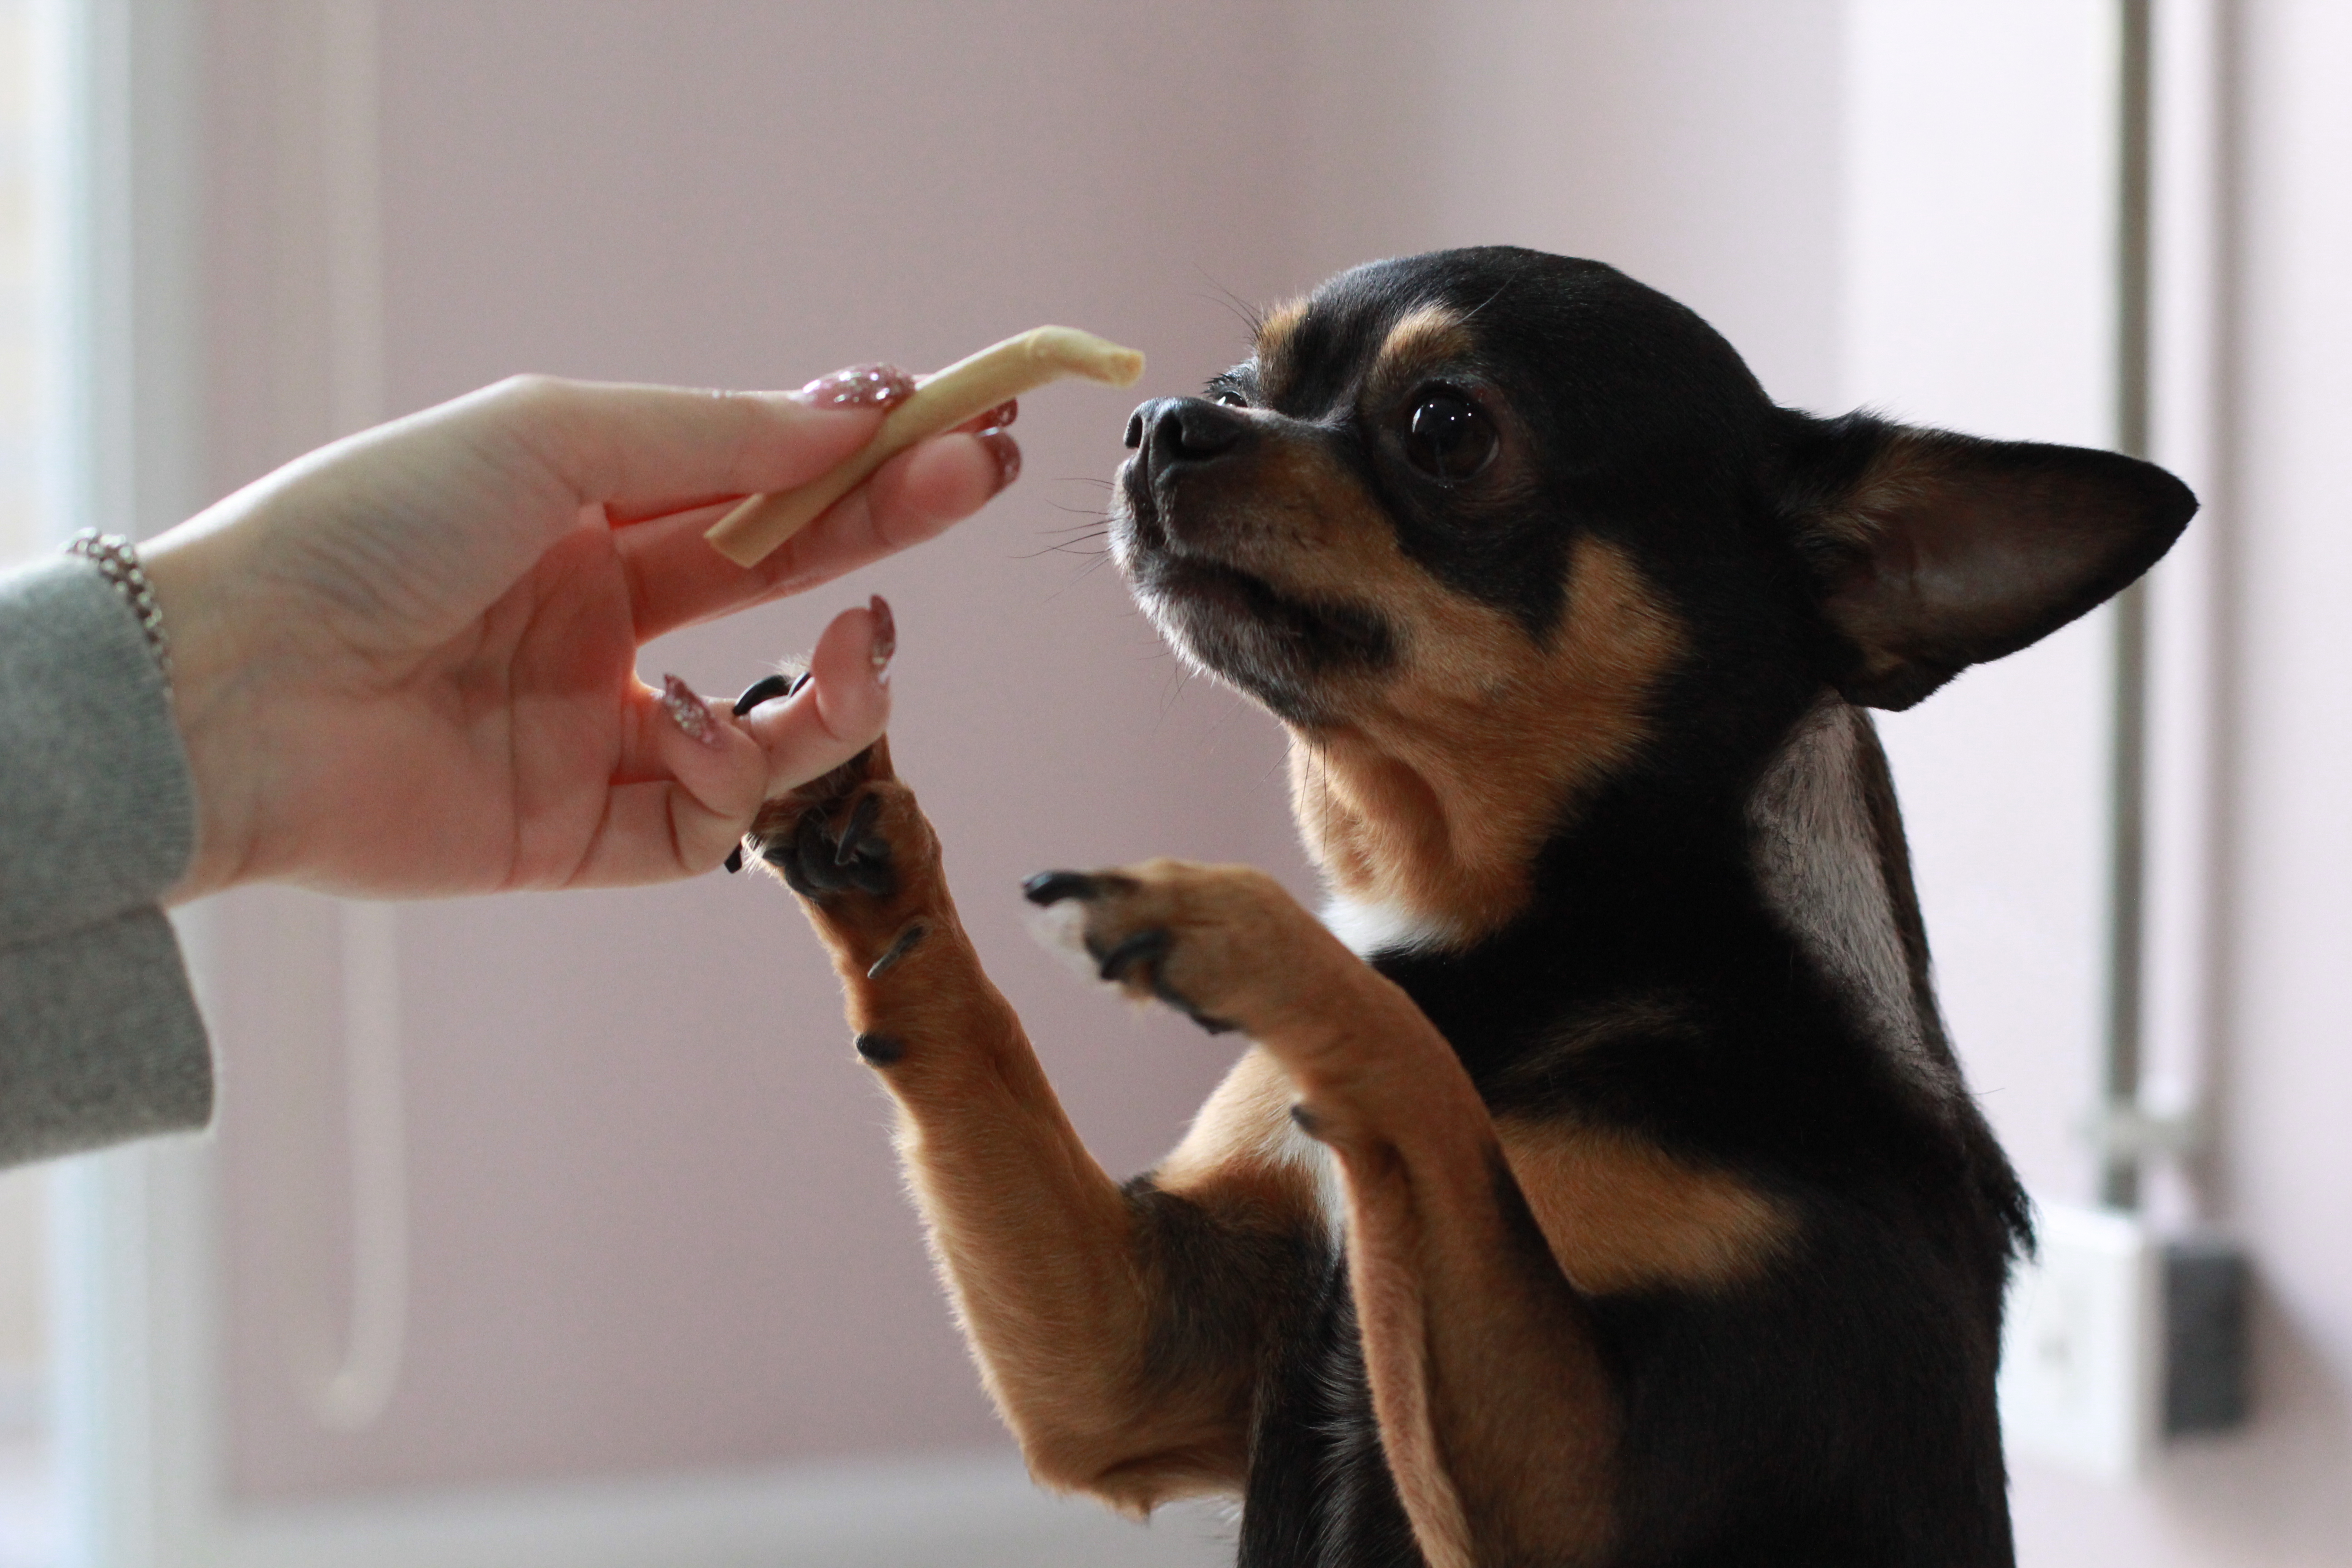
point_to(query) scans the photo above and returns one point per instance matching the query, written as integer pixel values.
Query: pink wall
(656, 1222)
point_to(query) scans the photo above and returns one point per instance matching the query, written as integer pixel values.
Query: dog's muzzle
(1173, 436)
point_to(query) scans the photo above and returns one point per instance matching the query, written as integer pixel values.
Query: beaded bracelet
(117, 560)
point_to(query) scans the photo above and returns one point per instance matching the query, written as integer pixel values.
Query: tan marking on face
(1623, 1214)
(1425, 336)
(1273, 342)
(1452, 770)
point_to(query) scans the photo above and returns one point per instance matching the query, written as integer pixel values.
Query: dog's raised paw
(834, 848)
(1155, 931)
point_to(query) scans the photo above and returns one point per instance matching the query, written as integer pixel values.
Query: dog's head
(1494, 515)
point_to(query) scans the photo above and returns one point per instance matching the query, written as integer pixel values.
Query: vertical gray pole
(2119, 1182)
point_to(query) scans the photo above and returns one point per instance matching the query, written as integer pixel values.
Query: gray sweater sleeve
(100, 1037)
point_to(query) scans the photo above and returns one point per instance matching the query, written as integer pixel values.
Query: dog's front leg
(1497, 1412)
(1065, 1283)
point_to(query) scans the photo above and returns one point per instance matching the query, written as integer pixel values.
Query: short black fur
(1838, 1409)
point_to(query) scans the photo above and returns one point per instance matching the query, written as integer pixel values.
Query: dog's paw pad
(827, 852)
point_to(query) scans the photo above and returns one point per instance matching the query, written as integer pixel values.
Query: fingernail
(1006, 451)
(886, 635)
(859, 386)
(1003, 414)
(687, 711)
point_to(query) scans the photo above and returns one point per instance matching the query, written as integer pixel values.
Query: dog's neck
(1422, 833)
(1429, 848)
(1437, 795)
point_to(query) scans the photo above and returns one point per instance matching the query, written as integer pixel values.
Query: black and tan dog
(1605, 1191)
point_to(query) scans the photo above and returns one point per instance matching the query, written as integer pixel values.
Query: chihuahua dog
(1598, 1186)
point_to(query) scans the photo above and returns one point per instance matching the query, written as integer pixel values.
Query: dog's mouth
(1286, 649)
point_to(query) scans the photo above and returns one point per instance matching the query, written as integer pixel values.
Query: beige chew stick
(940, 400)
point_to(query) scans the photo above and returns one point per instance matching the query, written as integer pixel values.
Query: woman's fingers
(842, 708)
(691, 775)
(916, 495)
(876, 386)
(688, 783)
(609, 442)
(676, 578)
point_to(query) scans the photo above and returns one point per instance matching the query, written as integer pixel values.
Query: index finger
(676, 579)
(616, 443)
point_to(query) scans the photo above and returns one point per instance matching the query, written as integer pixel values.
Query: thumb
(842, 707)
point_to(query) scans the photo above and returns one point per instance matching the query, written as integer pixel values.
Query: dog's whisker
(1252, 318)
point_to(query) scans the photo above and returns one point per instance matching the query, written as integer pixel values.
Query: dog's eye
(1229, 397)
(1447, 437)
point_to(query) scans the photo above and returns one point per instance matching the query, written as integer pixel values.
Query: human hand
(406, 665)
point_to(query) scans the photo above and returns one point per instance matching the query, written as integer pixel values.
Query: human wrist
(187, 569)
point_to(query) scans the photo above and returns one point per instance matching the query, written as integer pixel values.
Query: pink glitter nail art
(884, 635)
(859, 386)
(1006, 451)
(687, 711)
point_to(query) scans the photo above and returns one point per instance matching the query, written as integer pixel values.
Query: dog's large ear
(1928, 551)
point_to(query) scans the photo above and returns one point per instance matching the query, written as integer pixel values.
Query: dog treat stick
(942, 401)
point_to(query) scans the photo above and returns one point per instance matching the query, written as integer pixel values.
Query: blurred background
(567, 1230)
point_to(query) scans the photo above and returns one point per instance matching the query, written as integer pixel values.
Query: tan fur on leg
(1050, 1264)
(1494, 1411)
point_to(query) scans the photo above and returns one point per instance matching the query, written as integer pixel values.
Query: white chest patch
(1817, 859)
(1321, 1167)
(1366, 928)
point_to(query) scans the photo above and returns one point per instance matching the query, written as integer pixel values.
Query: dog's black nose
(1167, 431)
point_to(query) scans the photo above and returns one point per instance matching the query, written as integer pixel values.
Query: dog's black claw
(861, 823)
(803, 678)
(881, 1050)
(735, 859)
(1053, 887)
(761, 689)
(1208, 1025)
(906, 941)
(1143, 947)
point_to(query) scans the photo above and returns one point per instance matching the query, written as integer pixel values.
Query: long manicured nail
(885, 636)
(859, 386)
(1006, 451)
(687, 711)
(1003, 414)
